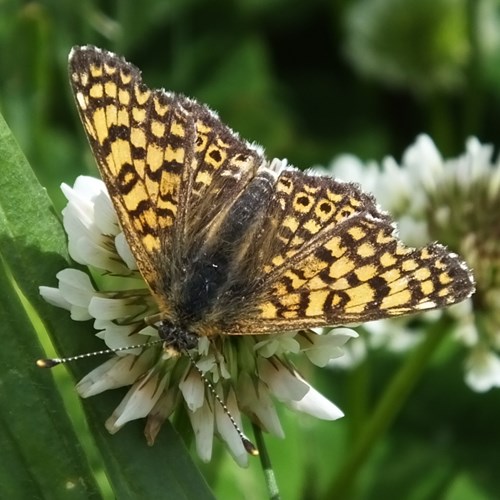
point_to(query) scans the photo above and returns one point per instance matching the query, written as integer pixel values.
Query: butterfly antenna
(248, 445)
(50, 362)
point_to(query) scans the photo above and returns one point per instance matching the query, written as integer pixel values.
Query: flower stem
(265, 460)
(392, 401)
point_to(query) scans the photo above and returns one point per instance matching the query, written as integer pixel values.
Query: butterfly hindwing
(334, 259)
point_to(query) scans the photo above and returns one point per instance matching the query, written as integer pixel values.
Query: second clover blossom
(250, 373)
(455, 201)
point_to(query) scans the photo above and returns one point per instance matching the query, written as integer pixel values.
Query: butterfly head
(177, 338)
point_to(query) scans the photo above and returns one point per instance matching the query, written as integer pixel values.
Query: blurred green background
(308, 81)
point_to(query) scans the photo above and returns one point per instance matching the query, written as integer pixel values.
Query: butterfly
(231, 243)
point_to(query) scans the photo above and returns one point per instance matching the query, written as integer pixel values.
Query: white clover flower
(248, 373)
(74, 293)
(91, 224)
(483, 369)
(455, 201)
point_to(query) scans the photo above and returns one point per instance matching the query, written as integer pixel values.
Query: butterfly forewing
(166, 160)
(223, 166)
(141, 140)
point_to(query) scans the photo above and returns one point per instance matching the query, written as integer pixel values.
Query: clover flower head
(249, 373)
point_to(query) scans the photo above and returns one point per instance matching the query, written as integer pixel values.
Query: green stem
(359, 383)
(441, 127)
(392, 401)
(265, 460)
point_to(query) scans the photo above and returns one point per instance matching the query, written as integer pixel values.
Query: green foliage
(276, 72)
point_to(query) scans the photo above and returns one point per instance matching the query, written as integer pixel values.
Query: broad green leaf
(42, 457)
(33, 248)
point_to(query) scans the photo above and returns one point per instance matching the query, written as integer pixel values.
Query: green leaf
(33, 248)
(42, 454)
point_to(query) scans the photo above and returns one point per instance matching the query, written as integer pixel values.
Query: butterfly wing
(224, 164)
(333, 258)
(164, 159)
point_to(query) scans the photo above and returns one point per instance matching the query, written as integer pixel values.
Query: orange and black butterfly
(231, 243)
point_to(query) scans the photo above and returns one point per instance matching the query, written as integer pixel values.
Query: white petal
(91, 224)
(222, 369)
(119, 336)
(277, 344)
(478, 162)
(203, 346)
(467, 333)
(80, 313)
(98, 252)
(79, 224)
(392, 186)
(424, 162)
(193, 390)
(54, 296)
(282, 383)
(163, 408)
(138, 402)
(74, 293)
(123, 249)
(80, 207)
(116, 372)
(255, 400)
(354, 353)
(86, 186)
(76, 287)
(315, 404)
(149, 331)
(104, 213)
(202, 421)
(226, 429)
(394, 334)
(350, 168)
(494, 183)
(412, 231)
(206, 363)
(89, 200)
(106, 308)
(321, 349)
(461, 310)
